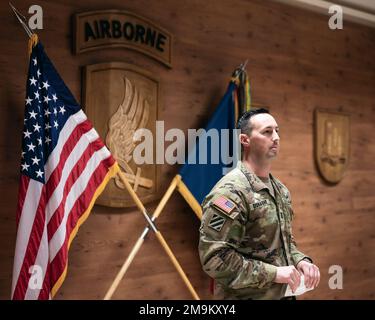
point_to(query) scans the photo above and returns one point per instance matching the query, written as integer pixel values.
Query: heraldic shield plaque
(332, 144)
(119, 99)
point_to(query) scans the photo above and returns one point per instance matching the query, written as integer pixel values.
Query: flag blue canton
(48, 104)
(229, 204)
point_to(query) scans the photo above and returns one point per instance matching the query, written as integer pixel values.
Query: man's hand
(288, 275)
(311, 273)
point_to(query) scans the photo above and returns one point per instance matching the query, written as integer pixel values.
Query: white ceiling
(363, 5)
(357, 11)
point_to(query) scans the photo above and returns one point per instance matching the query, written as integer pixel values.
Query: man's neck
(260, 169)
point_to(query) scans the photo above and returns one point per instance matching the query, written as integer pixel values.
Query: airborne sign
(116, 28)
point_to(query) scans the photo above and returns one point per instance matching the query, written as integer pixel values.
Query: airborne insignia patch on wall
(216, 222)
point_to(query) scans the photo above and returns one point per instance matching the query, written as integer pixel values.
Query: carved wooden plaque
(119, 99)
(332, 144)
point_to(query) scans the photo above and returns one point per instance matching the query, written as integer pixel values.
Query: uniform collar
(255, 183)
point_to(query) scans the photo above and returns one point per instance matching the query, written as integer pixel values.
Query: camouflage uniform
(245, 233)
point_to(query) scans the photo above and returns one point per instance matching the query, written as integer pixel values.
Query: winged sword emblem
(132, 114)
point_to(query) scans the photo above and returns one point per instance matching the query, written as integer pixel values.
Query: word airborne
(133, 32)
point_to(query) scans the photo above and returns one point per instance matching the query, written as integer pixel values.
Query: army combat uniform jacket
(245, 233)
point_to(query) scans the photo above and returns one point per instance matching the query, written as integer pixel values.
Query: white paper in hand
(300, 290)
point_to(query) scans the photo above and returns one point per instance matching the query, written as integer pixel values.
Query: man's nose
(275, 136)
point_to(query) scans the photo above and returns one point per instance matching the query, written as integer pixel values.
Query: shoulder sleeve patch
(216, 222)
(224, 205)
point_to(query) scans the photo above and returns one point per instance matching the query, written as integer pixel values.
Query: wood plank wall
(296, 64)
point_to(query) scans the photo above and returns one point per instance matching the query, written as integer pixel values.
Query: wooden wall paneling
(296, 64)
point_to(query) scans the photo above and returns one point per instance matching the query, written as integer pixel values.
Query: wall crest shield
(332, 144)
(119, 99)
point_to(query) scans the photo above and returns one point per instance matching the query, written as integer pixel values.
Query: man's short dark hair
(243, 123)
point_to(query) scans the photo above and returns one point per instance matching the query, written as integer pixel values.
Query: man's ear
(244, 140)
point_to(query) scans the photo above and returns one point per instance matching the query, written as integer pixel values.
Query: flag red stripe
(58, 215)
(69, 145)
(24, 184)
(31, 250)
(46, 288)
(57, 265)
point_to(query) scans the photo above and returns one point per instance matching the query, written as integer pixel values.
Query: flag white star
(48, 140)
(23, 154)
(36, 127)
(35, 61)
(32, 81)
(31, 147)
(62, 110)
(36, 95)
(54, 97)
(28, 101)
(39, 141)
(35, 160)
(46, 99)
(54, 111)
(38, 73)
(25, 166)
(47, 126)
(46, 85)
(27, 134)
(39, 173)
(47, 112)
(33, 114)
(55, 124)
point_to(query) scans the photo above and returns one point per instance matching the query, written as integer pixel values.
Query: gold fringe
(236, 80)
(190, 199)
(236, 109)
(248, 95)
(32, 43)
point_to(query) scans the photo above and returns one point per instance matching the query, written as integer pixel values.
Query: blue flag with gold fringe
(213, 154)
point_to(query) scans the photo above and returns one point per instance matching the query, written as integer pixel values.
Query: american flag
(224, 204)
(64, 167)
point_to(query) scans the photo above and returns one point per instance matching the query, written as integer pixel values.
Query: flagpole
(22, 20)
(158, 234)
(140, 240)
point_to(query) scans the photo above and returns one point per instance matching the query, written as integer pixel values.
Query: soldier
(246, 242)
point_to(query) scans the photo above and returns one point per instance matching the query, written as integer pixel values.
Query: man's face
(264, 140)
